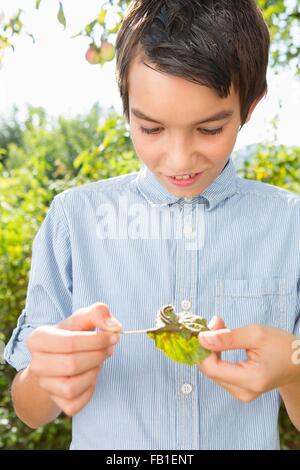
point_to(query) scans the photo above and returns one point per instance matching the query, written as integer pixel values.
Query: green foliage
(14, 435)
(283, 19)
(289, 436)
(61, 16)
(10, 133)
(9, 28)
(275, 164)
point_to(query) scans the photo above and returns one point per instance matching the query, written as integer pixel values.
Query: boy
(190, 74)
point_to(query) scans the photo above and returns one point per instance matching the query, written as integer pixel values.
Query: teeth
(185, 177)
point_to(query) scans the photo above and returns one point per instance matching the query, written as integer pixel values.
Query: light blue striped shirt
(232, 251)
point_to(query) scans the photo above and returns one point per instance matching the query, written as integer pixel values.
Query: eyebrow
(215, 117)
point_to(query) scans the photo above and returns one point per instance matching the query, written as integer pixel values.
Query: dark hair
(214, 43)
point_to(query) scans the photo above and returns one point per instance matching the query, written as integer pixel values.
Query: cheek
(142, 147)
(216, 147)
(223, 144)
(137, 137)
(137, 140)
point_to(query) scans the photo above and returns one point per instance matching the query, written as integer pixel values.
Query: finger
(89, 318)
(61, 365)
(238, 373)
(216, 323)
(55, 340)
(212, 361)
(72, 407)
(231, 373)
(248, 337)
(237, 392)
(70, 387)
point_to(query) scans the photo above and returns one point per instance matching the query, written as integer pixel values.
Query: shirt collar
(223, 187)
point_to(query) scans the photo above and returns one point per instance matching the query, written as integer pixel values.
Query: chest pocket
(266, 301)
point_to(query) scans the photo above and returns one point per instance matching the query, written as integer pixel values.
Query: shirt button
(186, 305)
(186, 389)
(187, 229)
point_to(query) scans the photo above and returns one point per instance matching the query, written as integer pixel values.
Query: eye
(149, 131)
(212, 131)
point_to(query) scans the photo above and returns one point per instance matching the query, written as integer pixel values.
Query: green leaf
(37, 4)
(61, 16)
(89, 27)
(177, 336)
(102, 16)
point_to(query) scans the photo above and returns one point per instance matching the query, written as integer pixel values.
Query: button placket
(185, 300)
(188, 226)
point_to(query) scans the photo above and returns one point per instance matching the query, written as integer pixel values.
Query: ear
(253, 106)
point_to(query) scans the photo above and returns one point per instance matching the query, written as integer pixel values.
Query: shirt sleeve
(49, 293)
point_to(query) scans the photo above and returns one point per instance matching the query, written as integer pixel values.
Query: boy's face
(178, 146)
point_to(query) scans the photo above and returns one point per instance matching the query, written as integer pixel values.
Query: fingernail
(212, 321)
(113, 323)
(209, 338)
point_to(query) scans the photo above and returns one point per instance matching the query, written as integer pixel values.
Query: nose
(181, 156)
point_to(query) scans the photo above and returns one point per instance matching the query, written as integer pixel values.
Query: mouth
(184, 180)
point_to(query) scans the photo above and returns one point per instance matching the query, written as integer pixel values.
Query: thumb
(216, 323)
(225, 339)
(96, 315)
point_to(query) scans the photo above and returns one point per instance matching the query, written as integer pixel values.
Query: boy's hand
(269, 365)
(66, 358)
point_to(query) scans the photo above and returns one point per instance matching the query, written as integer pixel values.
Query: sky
(54, 73)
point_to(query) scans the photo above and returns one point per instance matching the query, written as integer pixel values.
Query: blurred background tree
(40, 157)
